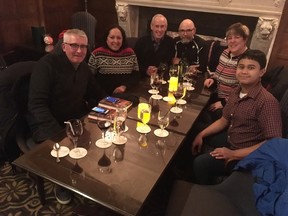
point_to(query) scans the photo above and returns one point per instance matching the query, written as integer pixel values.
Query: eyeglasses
(75, 46)
(185, 30)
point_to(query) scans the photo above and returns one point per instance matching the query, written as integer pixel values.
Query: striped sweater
(225, 74)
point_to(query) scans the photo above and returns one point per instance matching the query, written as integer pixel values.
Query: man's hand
(175, 61)
(215, 106)
(223, 154)
(151, 70)
(197, 144)
(208, 82)
(120, 89)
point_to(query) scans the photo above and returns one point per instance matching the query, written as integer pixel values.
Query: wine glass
(74, 129)
(103, 125)
(144, 114)
(178, 94)
(104, 163)
(163, 122)
(162, 68)
(173, 70)
(155, 84)
(190, 76)
(119, 125)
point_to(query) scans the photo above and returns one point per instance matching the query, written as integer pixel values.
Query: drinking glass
(173, 70)
(163, 122)
(119, 125)
(155, 82)
(162, 68)
(103, 125)
(190, 76)
(144, 114)
(74, 129)
(178, 94)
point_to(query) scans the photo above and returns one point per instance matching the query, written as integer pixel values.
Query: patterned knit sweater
(113, 69)
(225, 75)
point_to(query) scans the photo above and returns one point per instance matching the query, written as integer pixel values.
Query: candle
(173, 84)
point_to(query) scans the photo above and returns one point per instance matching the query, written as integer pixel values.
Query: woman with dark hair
(114, 64)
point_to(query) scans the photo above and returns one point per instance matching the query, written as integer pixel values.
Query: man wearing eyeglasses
(62, 87)
(190, 47)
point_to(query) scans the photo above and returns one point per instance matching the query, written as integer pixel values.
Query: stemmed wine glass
(144, 114)
(154, 79)
(119, 125)
(103, 125)
(173, 70)
(178, 94)
(190, 76)
(104, 163)
(163, 122)
(74, 129)
(162, 68)
(155, 82)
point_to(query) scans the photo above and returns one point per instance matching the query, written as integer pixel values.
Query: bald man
(190, 46)
(155, 48)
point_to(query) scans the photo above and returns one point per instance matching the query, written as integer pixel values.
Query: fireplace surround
(211, 17)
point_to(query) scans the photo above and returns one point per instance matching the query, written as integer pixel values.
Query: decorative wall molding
(268, 8)
(264, 34)
(267, 11)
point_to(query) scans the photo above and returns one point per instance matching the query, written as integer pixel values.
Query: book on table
(114, 102)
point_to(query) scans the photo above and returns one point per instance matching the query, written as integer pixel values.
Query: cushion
(199, 200)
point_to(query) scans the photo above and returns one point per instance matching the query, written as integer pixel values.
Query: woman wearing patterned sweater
(115, 64)
(224, 77)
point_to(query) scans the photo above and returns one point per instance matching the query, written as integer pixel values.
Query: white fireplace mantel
(268, 12)
(269, 8)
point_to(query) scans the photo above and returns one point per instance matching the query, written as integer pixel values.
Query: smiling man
(190, 46)
(252, 116)
(155, 48)
(61, 87)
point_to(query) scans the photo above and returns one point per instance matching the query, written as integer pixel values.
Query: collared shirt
(156, 44)
(253, 118)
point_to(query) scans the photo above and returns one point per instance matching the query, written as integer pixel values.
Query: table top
(136, 168)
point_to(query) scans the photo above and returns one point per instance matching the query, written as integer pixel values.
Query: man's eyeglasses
(75, 46)
(185, 30)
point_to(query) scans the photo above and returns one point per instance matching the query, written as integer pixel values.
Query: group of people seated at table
(63, 86)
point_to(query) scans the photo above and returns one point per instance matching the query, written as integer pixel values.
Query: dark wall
(17, 17)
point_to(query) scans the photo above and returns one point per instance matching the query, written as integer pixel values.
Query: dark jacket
(58, 92)
(147, 56)
(195, 52)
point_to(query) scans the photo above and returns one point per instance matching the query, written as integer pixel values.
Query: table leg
(40, 189)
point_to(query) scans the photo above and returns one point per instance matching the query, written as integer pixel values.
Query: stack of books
(113, 103)
(106, 108)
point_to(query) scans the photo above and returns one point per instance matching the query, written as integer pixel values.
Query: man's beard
(185, 40)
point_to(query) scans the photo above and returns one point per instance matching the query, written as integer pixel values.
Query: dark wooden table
(134, 173)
